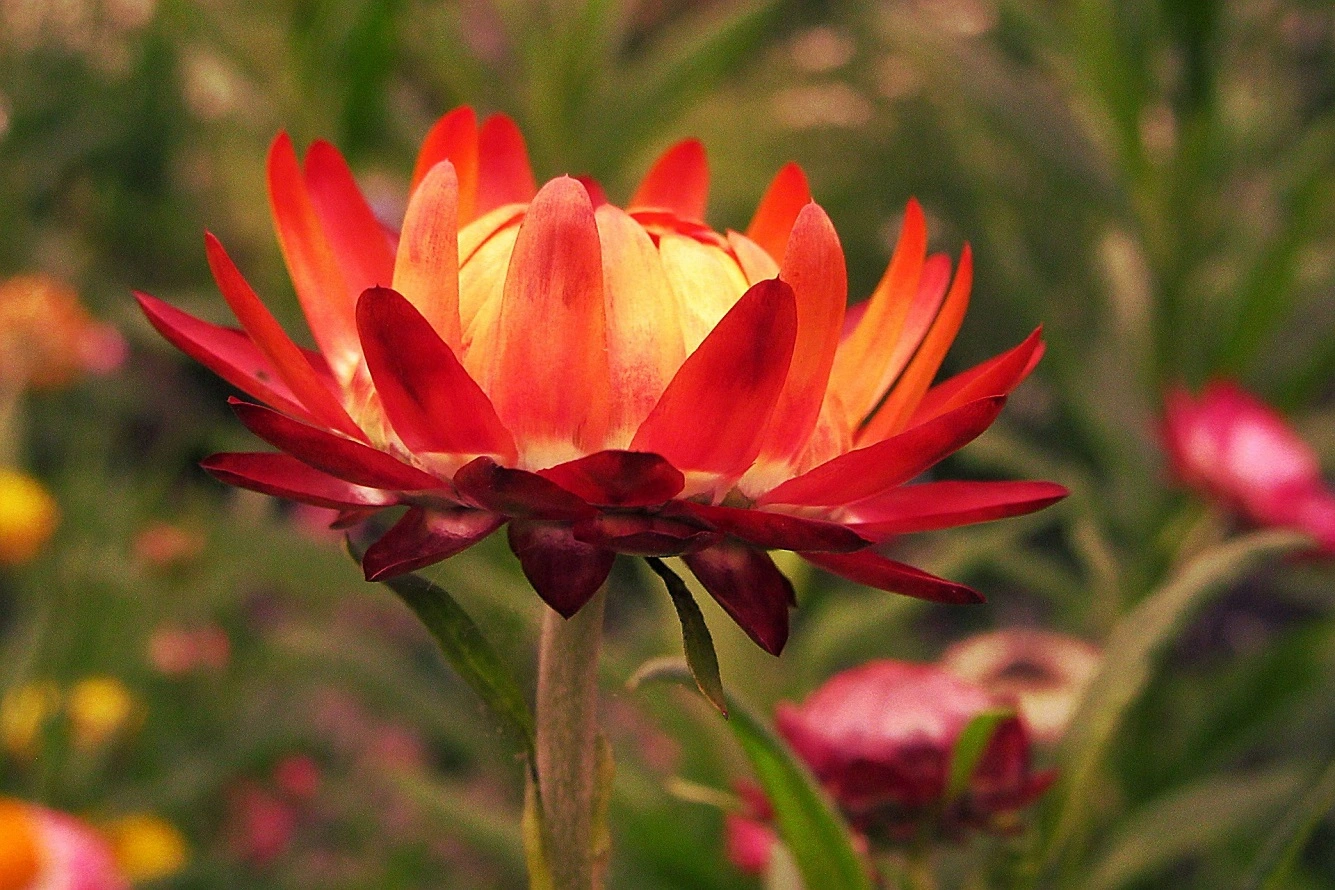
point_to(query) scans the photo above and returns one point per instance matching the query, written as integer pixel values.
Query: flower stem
(566, 733)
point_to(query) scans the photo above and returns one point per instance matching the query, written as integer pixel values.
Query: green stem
(566, 735)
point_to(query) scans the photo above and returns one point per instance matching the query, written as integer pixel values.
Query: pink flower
(42, 848)
(880, 738)
(1234, 448)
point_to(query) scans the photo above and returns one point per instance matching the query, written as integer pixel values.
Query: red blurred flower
(260, 824)
(604, 380)
(880, 738)
(1233, 447)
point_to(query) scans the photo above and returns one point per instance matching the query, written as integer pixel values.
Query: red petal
(282, 475)
(997, 376)
(639, 535)
(778, 531)
(814, 268)
(564, 571)
(518, 492)
(903, 400)
(284, 355)
(787, 194)
(227, 352)
(316, 275)
(933, 505)
(426, 270)
(548, 373)
(430, 399)
(453, 138)
(713, 415)
(868, 471)
(875, 570)
(331, 453)
(749, 587)
(619, 478)
(504, 175)
(355, 235)
(860, 368)
(678, 181)
(423, 537)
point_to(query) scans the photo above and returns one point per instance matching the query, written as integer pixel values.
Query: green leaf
(970, 747)
(1285, 843)
(695, 637)
(1129, 659)
(812, 829)
(1172, 827)
(464, 645)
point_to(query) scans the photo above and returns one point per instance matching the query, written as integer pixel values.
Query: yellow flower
(99, 709)
(147, 847)
(23, 713)
(28, 517)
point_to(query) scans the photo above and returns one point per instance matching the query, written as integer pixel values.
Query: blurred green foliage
(1153, 180)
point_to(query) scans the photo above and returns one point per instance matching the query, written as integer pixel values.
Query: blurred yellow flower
(28, 517)
(147, 847)
(19, 857)
(24, 710)
(99, 709)
(47, 338)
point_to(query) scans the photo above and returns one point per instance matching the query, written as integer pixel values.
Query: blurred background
(201, 673)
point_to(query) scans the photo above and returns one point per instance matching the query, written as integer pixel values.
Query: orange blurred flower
(42, 848)
(605, 380)
(47, 338)
(28, 517)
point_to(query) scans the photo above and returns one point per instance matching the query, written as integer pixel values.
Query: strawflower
(602, 380)
(147, 847)
(42, 848)
(1237, 450)
(1041, 673)
(47, 337)
(880, 738)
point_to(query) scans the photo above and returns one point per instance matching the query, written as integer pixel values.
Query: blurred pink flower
(41, 849)
(175, 651)
(297, 776)
(750, 838)
(880, 738)
(1042, 674)
(1238, 450)
(260, 824)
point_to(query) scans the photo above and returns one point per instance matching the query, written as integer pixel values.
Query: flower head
(880, 738)
(47, 337)
(45, 848)
(1041, 673)
(28, 517)
(604, 380)
(147, 847)
(1238, 450)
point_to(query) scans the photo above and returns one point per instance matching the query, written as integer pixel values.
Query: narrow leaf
(464, 645)
(695, 636)
(970, 747)
(1286, 841)
(812, 829)
(1128, 664)
(535, 850)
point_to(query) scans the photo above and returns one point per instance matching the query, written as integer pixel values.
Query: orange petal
(787, 194)
(712, 416)
(426, 270)
(547, 368)
(316, 276)
(705, 279)
(453, 138)
(504, 175)
(357, 238)
(756, 263)
(678, 181)
(903, 400)
(814, 267)
(644, 342)
(859, 368)
(292, 366)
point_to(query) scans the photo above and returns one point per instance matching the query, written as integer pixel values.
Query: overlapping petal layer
(603, 380)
